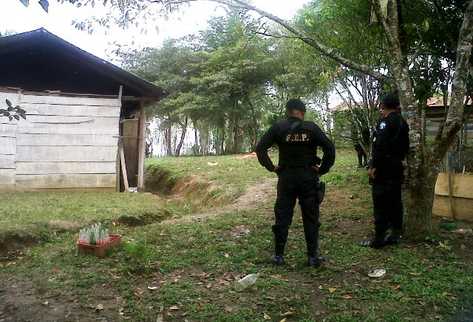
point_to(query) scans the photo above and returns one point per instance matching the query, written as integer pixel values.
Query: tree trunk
(237, 137)
(254, 130)
(196, 149)
(204, 138)
(149, 143)
(182, 138)
(328, 117)
(418, 202)
(168, 139)
(222, 141)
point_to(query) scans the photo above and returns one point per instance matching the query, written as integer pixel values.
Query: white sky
(14, 17)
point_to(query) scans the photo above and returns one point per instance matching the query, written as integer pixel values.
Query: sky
(14, 17)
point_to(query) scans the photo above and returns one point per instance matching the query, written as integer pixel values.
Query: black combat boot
(280, 238)
(377, 242)
(278, 260)
(314, 261)
(394, 238)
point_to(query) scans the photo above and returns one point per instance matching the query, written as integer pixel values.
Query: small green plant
(448, 225)
(138, 255)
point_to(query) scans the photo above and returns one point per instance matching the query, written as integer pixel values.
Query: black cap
(295, 104)
(391, 101)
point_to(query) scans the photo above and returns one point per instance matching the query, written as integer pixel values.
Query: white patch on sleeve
(382, 125)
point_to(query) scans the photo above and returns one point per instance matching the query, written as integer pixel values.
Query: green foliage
(40, 208)
(230, 82)
(138, 254)
(344, 25)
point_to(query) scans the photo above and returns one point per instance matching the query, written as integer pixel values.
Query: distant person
(386, 172)
(299, 170)
(362, 156)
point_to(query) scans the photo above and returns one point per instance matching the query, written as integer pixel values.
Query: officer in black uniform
(386, 172)
(362, 157)
(299, 170)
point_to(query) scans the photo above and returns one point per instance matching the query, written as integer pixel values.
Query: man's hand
(316, 168)
(372, 173)
(277, 169)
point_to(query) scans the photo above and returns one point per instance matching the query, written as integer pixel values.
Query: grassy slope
(20, 210)
(195, 264)
(235, 173)
(231, 174)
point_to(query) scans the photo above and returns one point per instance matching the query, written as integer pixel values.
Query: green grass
(196, 264)
(21, 210)
(230, 173)
(235, 173)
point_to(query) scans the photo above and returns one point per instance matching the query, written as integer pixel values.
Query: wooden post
(120, 142)
(118, 168)
(450, 188)
(120, 93)
(141, 146)
(123, 164)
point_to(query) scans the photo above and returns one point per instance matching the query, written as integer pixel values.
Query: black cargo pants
(388, 208)
(293, 184)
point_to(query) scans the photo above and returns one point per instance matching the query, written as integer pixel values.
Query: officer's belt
(296, 166)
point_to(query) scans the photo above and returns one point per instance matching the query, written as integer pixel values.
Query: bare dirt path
(253, 197)
(23, 301)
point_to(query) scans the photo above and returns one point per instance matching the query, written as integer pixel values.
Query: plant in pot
(96, 240)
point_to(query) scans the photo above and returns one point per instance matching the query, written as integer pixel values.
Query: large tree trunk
(168, 139)
(418, 199)
(182, 138)
(204, 131)
(237, 136)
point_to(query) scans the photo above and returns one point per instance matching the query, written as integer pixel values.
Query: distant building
(436, 113)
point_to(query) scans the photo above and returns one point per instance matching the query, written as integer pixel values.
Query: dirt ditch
(12, 241)
(200, 193)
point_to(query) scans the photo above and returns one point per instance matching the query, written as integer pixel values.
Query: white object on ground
(246, 282)
(377, 273)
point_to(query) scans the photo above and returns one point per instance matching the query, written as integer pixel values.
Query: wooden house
(436, 113)
(453, 191)
(85, 121)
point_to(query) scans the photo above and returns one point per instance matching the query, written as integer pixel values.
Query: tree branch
(456, 110)
(323, 49)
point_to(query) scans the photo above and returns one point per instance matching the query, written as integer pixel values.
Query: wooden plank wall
(65, 143)
(462, 197)
(7, 145)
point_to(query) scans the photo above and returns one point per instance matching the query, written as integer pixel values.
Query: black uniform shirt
(297, 141)
(390, 144)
